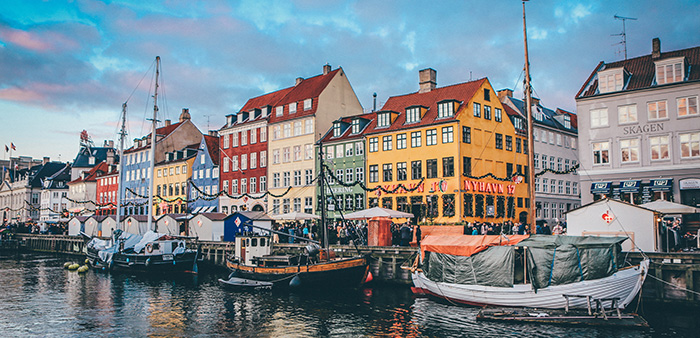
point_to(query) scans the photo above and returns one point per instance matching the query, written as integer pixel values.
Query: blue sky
(66, 66)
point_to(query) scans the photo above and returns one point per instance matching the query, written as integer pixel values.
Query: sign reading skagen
(647, 128)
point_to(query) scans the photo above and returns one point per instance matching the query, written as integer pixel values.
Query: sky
(67, 66)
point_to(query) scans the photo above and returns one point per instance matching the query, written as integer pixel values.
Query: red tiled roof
(163, 131)
(92, 174)
(347, 134)
(212, 143)
(642, 70)
(572, 117)
(308, 88)
(269, 99)
(462, 92)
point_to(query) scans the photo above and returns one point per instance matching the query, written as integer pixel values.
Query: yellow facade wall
(172, 175)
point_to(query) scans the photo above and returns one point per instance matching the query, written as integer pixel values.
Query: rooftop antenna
(207, 116)
(624, 32)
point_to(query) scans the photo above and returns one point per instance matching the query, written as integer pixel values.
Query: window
(415, 139)
(383, 120)
(431, 167)
(416, 170)
(285, 205)
(374, 173)
(253, 160)
(559, 164)
(498, 116)
(627, 114)
(244, 137)
(401, 141)
(413, 115)
(690, 145)
(447, 134)
(431, 137)
(286, 179)
(234, 186)
(292, 107)
(309, 176)
(226, 164)
(339, 151)
(279, 110)
(574, 188)
(263, 134)
(355, 126)
(559, 140)
(297, 178)
(518, 146)
(263, 183)
(308, 151)
(297, 153)
(448, 166)
(446, 109)
(275, 156)
(477, 109)
(336, 129)
(349, 175)
(307, 104)
(466, 166)
(263, 159)
(487, 112)
(287, 130)
(466, 134)
(359, 202)
(657, 110)
(297, 128)
(509, 143)
(687, 106)
(487, 95)
(276, 133)
(560, 187)
(330, 151)
(401, 171)
(629, 150)
(244, 186)
(286, 155)
(386, 143)
(499, 141)
(234, 163)
(600, 153)
(309, 126)
(275, 206)
(387, 172)
(308, 204)
(226, 140)
(254, 136)
(348, 202)
(610, 81)
(297, 204)
(373, 144)
(669, 72)
(359, 174)
(659, 147)
(599, 118)
(359, 148)
(244, 161)
(253, 185)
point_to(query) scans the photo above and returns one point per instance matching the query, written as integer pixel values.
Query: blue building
(205, 176)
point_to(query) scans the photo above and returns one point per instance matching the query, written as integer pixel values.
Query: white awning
(196, 210)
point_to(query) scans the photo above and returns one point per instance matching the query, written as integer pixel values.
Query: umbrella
(377, 212)
(666, 207)
(295, 216)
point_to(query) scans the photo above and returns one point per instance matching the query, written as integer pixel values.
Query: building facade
(84, 189)
(298, 119)
(555, 136)
(106, 189)
(639, 126)
(344, 155)
(20, 192)
(171, 181)
(205, 176)
(452, 150)
(54, 190)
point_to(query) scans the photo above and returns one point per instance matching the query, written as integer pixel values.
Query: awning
(466, 245)
(601, 187)
(661, 184)
(196, 210)
(630, 186)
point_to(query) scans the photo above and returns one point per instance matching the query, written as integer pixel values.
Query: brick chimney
(168, 122)
(504, 93)
(427, 80)
(655, 48)
(326, 69)
(110, 156)
(46, 160)
(213, 133)
(298, 81)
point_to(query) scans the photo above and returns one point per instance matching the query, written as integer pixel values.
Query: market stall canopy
(295, 216)
(666, 207)
(466, 245)
(377, 212)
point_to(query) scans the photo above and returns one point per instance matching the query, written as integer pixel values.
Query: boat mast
(530, 145)
(322, 198)
(122, 135)
(153, 148)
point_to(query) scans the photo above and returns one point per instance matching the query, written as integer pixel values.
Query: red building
(107, 185)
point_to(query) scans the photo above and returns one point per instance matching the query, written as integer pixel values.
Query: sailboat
(313, 267)
(151, 252)
(541, 271)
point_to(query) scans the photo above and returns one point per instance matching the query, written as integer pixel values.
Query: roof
(308, 88)
(253, 215)
(466, 245)
(92, 174)
(462, 93)
(607, 200)
(642, 71)
(549, 114)
(212, 143)
(82, 160)
(214, 216)
(62, 175)
(512, 113)
(162, 131)
(347, 132)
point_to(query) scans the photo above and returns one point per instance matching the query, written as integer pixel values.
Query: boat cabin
(165, 247)
(249, 248)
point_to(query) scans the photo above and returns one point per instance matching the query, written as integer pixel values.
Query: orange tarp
(466, 245)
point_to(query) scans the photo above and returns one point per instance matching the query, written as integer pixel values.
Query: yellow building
(171, 177)
(455, 152)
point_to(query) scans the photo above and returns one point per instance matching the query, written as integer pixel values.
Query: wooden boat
(562, 318)
(527, 275)
(245, 284)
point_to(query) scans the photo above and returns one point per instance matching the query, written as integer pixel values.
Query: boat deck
(560, 317)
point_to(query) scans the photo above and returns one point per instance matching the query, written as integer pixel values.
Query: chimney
(655, 48)
(326, 69)
(229, 119)
(299, 79)
(427, 79)
(111, 143)
(504, 93)
(185, 114)
(535, 101)
(168, 122)
(110, 156)
(46, 160)
(213, 133)
(374, 106)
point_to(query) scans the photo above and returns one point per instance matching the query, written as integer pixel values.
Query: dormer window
(383, 120)
(292, 107)
(336, 129)
(567, 121)
(611, 80)
(537, 113)
(307, 104)
(355, 126)
(446, 109)
(413, 115)
(670, 70)
(279, 110)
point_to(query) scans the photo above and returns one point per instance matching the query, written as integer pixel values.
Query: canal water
(38, 298)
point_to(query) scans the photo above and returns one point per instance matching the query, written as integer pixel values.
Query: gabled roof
(92, 174)
(309, 88)
(642, 71)
(462, 92)
(212, 143)
(347, 133)
(162, 131)
(62, 175)
(572, 116)
(549, 115)
(512, 113)
(82, 160)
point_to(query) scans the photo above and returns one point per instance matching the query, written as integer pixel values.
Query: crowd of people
(343, 233)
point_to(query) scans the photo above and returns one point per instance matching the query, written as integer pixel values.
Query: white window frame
(629, 147)
(657, 143)
(655, 106)
(308, 103)
(627, 114)
(599, 117)
(689, 105)
(293, 108)
(413, 115)
(689, 144)
(604, 147)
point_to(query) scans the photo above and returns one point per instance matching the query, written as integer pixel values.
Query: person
(514, 227)
(418, 235)
(558, 229)
(475, 231)
(545, 229)
(405, 232)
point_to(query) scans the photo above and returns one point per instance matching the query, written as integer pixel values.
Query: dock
(572, 318)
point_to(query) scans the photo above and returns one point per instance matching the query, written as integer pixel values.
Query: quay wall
(674, 278)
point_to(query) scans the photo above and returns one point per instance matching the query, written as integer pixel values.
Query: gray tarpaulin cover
(552, 260)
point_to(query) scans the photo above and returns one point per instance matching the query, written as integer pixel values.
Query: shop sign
(661, 184)
(630, 186)
(600, 187)
(487, 187)
(689, 183)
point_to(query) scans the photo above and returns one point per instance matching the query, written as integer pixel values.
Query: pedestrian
(419, 233)
(405, 232)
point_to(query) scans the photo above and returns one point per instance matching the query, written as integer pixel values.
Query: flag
(12, 145)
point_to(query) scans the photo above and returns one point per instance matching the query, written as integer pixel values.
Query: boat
(245, 284)
(600, 318)
(151, 252)
(538, 271)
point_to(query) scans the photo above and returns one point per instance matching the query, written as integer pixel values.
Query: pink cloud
(19, 94)
(25, 39)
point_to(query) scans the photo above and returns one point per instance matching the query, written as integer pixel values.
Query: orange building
(448, 155)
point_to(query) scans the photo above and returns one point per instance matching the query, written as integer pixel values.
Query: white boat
(476, 279)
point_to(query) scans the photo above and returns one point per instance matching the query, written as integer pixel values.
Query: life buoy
(149, 248)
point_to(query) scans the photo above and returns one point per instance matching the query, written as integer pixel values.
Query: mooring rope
(673, 285)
